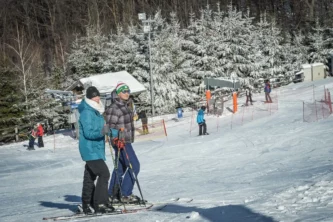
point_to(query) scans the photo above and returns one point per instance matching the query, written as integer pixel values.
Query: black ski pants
(204, 126)
(40, 142)
(98, 194)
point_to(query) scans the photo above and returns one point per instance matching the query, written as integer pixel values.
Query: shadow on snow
(229, 213)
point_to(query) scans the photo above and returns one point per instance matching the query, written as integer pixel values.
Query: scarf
(97, 106)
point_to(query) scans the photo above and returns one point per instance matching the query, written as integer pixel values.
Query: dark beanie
(92, 92)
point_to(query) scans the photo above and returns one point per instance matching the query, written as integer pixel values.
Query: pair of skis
(130, 210)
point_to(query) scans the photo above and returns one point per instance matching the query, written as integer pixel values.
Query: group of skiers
(118, 127)
(35, 132)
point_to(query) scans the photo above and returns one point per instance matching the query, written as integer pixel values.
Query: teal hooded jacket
(91, 142)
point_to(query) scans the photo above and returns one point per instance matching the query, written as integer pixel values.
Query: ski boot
(104, 209)
(87, 208)
(113, 200)
(131, 199)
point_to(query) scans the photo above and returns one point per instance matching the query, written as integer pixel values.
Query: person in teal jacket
(92, 149)
(201, 121)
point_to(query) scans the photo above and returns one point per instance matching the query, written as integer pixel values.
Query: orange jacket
(40, 131)
(208, 95)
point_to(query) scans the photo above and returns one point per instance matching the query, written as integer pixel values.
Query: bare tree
(25, 56)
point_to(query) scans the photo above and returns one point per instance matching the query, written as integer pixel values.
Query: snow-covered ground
(274, 168)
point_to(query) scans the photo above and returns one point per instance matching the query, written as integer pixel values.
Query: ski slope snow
(274, 168)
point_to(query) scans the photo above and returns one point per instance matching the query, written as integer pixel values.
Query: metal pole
(151, 76)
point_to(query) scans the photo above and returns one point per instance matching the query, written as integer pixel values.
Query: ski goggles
(126, 91)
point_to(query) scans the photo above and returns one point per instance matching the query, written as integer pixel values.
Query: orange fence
(155, 130)
(317, 110)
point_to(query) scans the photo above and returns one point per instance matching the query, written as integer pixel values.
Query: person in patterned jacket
(120, 116)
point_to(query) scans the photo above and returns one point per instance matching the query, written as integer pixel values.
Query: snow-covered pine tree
(199, 45)
(320, 44)
(295, 54)
(269, 43)
(171, 83)
(88, 55)
(236, 29)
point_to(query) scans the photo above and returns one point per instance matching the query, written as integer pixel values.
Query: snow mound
(304, 197)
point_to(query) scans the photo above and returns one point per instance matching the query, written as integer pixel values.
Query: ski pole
(134, 176)
(115, 164)
(121, 137)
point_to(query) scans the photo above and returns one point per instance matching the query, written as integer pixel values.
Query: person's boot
(87, 208)
(113, 200)
(104, 209)
(131, 199)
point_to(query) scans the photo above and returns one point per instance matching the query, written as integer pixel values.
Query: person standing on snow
(120, 116)
(40, 134)
(32, 137)
(268, 90)
(248, 94)
(92, 130)
(201, 121)
(144, 121)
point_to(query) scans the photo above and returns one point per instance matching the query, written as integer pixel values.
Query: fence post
(53, 141)
(303, 112)
(16, 134)
(191, 121)
(315, 102)
(165, 132)
(325, 94)
(329, 100)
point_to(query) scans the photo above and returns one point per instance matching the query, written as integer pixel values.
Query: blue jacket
(91, 142)
(267, 88)
(200, 116)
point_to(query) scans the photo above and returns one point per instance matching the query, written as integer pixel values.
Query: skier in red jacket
(40, 134)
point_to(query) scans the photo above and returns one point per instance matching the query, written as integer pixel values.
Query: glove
(106, 130)
(118, 143)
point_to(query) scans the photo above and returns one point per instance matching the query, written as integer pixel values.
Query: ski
(130, 208)
(82, 215)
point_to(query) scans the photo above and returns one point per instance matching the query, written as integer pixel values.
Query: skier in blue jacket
(92, 149)
(201, 121)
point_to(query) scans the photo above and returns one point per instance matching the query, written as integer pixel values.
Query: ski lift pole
(121, 138)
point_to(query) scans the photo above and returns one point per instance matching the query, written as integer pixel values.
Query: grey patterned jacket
(119, 115)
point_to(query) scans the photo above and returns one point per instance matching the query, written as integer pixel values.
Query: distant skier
(144, 120)
(248, 94)
(120, 116)
(92, 130)
(201, 121)
(32, 136)
(268, 90)
(40, 134)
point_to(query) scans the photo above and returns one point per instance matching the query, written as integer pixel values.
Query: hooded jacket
(91, 142)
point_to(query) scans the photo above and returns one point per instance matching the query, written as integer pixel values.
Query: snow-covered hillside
(274, 168)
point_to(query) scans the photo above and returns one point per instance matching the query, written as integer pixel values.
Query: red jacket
(40, 131)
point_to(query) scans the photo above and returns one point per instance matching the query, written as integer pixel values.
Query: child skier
(32, 137)
(201, 121)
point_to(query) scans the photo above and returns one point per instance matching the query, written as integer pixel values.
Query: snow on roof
(304, 66)
(107, 82)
